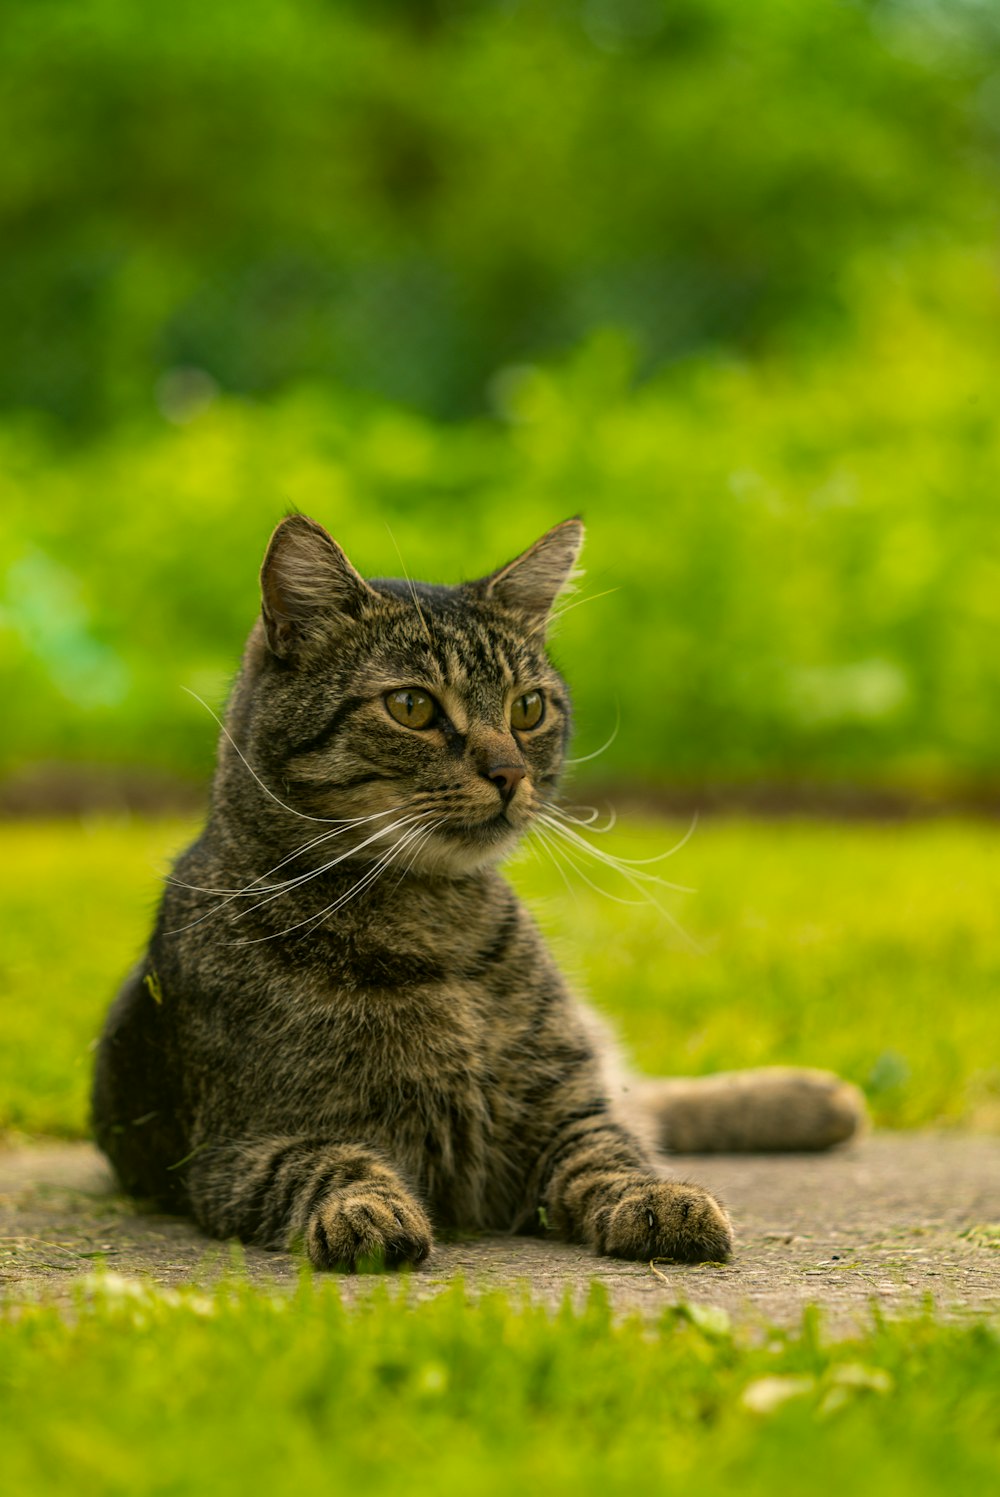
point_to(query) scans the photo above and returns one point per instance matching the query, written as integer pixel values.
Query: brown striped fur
(370, 1051)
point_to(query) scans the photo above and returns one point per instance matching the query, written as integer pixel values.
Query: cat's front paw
(665, 1219)
(364, 1229)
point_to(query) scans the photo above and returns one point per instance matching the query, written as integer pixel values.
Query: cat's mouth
(469, 842)
(487, 828)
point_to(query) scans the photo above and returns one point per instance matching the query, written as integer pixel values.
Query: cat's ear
(306, 585)
(530, 584)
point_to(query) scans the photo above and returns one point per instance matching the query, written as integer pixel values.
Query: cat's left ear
(530, 584)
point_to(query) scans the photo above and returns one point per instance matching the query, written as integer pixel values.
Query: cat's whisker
(659, 857)
(413, 592)
(304, 878)
(586, 758)
(631, 868)
(381, 868)
(561, 609)
(692, 828)
(416, 846)
(370, 877)
(313, 920)
(549, 846)
(411, 840)
(256, 886)
(278, 802)
(646, 897)
(589, 822)
(421, 842)
(346, 824)
(558, 853)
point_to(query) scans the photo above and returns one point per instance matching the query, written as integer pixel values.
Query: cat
(346, 1030)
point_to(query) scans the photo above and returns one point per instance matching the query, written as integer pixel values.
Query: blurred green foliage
(409, 194)
(723, 279)
(793, 569)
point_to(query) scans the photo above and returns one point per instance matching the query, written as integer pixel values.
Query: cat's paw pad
(365, 1229)
(665, 1219)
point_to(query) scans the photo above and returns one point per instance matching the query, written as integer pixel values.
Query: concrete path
(895, 1219)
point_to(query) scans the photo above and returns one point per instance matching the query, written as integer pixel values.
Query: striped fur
(343, 1053)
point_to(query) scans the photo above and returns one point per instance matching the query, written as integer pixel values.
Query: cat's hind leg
(134, 1101)
(772, 1109)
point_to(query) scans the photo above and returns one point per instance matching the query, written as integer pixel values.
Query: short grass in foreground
(235, 1392)
(869, 949)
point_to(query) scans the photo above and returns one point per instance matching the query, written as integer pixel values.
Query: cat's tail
(776, 1108)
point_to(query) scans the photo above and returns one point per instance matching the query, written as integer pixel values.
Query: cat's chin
(459, 847)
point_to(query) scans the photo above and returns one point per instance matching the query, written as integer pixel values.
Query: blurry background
(723, 279)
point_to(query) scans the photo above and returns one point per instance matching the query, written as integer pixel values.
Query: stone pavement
(892, 1220)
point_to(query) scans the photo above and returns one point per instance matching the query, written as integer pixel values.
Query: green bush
(408, 195)
(792, 571)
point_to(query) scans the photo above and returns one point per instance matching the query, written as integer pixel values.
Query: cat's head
(428, 718)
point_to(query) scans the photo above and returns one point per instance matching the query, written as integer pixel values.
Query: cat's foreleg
(344, 1202)
(598, 1187)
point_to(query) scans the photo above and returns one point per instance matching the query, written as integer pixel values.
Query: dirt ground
(893, 1220)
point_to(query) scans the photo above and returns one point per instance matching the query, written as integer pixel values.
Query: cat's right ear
(307, 584)
(530, 584)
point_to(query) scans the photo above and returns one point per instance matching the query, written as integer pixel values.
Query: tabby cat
(346, 1029)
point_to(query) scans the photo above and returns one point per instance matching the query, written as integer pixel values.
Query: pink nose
(506, 777)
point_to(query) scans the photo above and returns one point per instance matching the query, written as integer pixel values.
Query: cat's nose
(506, 777)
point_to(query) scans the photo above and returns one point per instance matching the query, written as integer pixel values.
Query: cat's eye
(412, 708)
(527, 711)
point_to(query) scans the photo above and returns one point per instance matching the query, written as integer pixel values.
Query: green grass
(237, 1392)
(868, 949)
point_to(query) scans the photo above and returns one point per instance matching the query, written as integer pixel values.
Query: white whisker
(413, 591)
(638, 883)
(257, 886)
(631, 868)
(278, 802)
(426, 833)
(550, 848)
(597, 888)
(304, 878)
(589, 822)
(659, 857)
(561, 609)
(369, 878)
(586, 758)
(346, 825)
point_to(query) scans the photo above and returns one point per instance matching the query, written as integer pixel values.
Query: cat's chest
(380, 1053)
(405, 1041)
(412, 1073)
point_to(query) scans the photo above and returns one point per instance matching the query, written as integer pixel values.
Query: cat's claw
(665, 1219)
(359, 1229)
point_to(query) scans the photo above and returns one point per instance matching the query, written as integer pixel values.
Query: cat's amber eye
(527, 711)
(412, 708)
